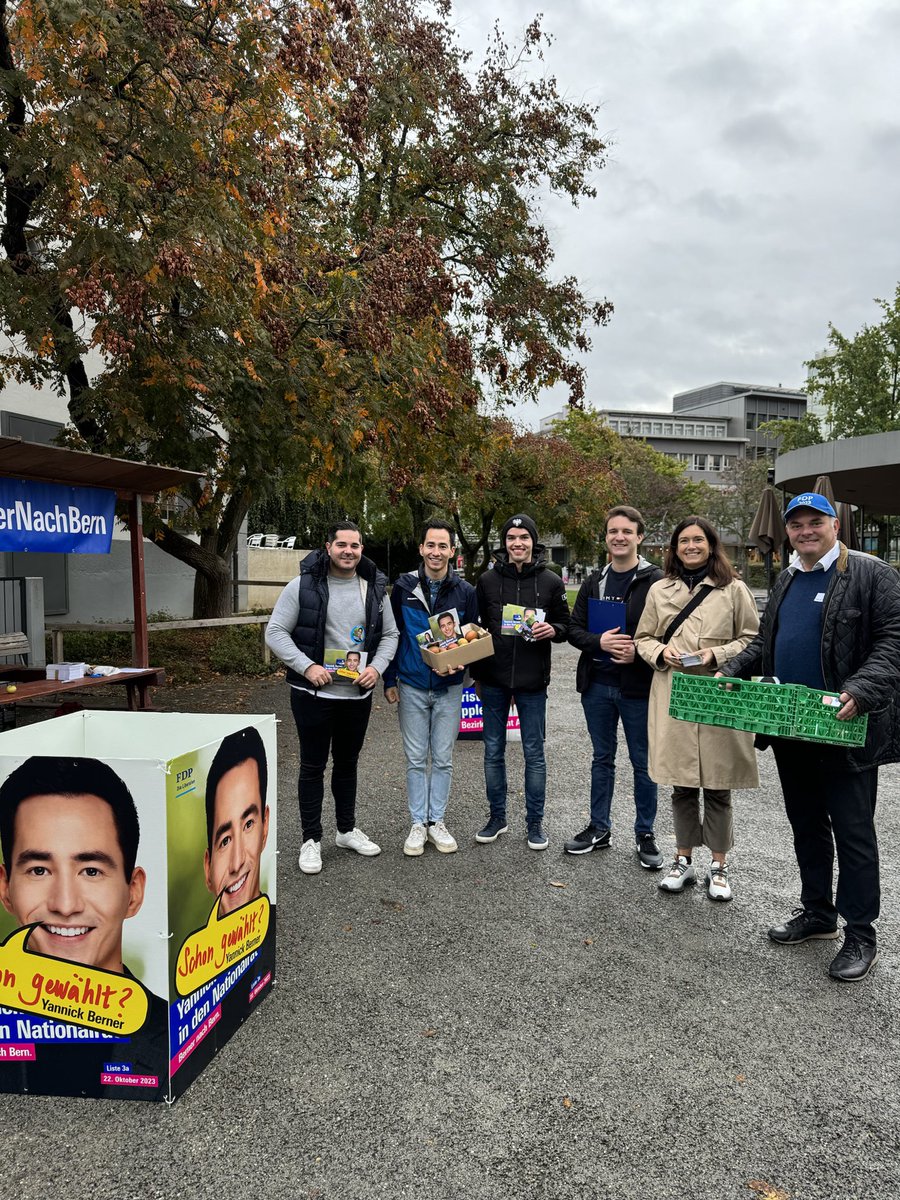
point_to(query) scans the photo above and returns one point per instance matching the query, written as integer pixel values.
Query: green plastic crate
(815, 719)
(787, 710)
(734, 703)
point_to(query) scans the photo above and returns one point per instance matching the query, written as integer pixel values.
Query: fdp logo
(184, 781)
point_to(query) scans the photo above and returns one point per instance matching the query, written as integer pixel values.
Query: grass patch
(186, 655)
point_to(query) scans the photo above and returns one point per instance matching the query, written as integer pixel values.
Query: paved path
(463, 1027)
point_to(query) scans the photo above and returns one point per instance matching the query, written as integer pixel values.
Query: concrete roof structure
(864, 471)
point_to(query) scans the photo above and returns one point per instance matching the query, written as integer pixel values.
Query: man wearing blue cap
(833, 623)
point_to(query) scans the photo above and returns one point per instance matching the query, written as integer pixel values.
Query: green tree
(654, 483)
(290, 239)
(795, 432)
(859, 377)
(507, 470)
(732, 506)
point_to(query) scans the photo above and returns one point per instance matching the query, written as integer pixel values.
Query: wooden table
(31, 684)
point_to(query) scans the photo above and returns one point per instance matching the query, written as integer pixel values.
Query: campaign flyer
(444, 630)
(517, 621)
(346, 664)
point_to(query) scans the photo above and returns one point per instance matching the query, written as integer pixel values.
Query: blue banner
(55, 518)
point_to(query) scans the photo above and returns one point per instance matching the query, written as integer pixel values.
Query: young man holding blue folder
(614, 683)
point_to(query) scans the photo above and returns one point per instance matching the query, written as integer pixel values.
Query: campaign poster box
(137, 931)
(449, 660)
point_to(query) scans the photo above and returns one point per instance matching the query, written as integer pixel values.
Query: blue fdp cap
(811, 500)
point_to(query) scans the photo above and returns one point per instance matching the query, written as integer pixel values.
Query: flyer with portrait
(517, 621)
(348, 664)
(444, 628)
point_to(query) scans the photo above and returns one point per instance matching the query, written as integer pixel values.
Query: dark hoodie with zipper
(517, 664)
(636, 676)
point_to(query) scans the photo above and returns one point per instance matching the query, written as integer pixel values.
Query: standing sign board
(471, 719)
(138, 891)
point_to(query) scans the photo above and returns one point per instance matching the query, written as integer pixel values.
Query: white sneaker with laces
(441, 838)
(717, 879)
(680, 873)
(415, 843)
(310, 861)
(357, 840)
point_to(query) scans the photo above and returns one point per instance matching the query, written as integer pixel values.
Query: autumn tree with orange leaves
(284, 245)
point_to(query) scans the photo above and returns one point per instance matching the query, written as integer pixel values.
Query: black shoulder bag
(698, 597)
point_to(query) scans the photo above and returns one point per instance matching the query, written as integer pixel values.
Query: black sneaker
(854, 961)
(648, 852)
(493, 829)
(537, 839)
(589, 839)
(802, 927)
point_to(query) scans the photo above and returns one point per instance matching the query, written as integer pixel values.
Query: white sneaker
(441, 838)
(357, 840)
(310, 861)
(717, 878)
(415, 843)
(680, 873)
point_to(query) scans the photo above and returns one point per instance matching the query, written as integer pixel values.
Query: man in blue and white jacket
(429, 702)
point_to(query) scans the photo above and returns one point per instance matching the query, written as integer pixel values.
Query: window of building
(657, 428)
(687, 430)
(699, 462)
(667, 429)
(715, 462)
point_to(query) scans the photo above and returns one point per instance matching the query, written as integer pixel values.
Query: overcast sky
(752, 191)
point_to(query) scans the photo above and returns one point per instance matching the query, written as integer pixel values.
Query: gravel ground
(502, 1023)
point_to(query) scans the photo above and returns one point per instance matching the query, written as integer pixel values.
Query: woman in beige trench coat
(686, 755)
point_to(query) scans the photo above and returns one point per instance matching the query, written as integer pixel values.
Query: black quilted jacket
(860, 647)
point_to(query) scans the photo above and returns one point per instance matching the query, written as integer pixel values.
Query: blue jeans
(603, 706)
(532, 706)
(429, 721)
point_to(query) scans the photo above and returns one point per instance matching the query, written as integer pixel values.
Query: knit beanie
(519, 521)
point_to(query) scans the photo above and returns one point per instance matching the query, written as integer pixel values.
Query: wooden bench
(14, 643)
(30, 684)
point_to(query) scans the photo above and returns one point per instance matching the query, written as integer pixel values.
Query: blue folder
(605, 614)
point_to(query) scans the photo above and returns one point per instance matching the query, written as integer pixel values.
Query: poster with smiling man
(137, 883)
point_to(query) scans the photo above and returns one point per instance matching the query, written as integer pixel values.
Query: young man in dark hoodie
(614, 684)
(519, 669)
(429, 702)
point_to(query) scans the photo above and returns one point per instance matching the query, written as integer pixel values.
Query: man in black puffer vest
(520, 668)
(335, 607)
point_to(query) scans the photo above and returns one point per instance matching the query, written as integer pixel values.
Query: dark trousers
(338, 726)
(830, 806)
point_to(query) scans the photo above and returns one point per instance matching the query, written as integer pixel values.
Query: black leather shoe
(802, 926)
(855, 961)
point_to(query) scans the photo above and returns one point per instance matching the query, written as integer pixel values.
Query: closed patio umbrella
(848, 534)
(844, 511)
(824, 488)
(767, 530)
